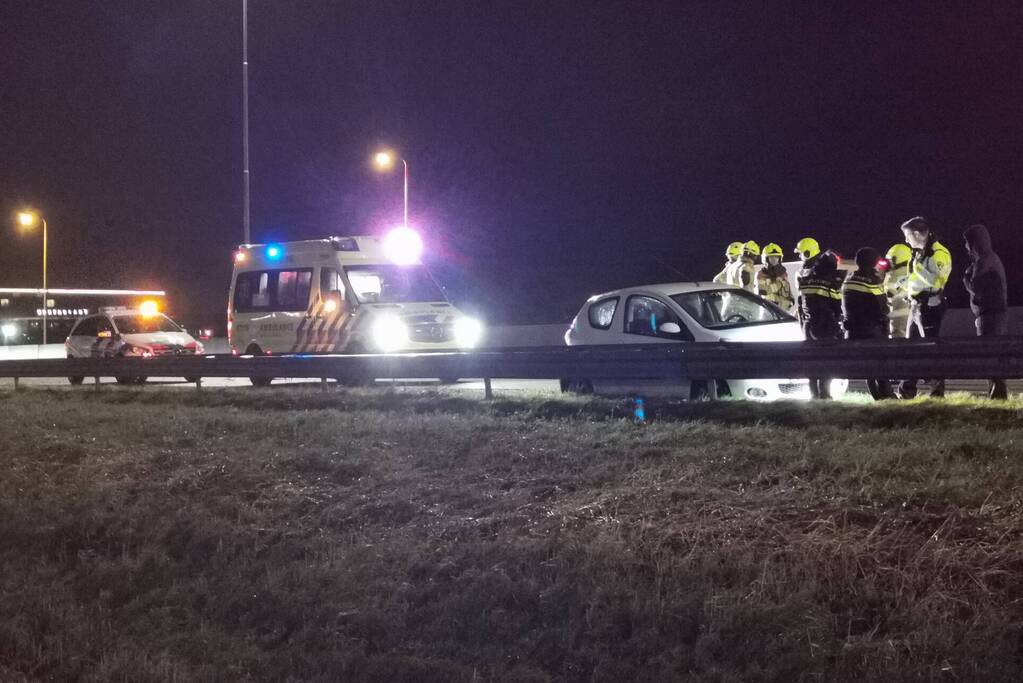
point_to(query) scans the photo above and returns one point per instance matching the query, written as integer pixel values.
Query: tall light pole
(28, 220)
(385, 161)
(245, 115)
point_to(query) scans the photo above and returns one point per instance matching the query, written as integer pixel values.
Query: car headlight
(468, 332)
(390, 333)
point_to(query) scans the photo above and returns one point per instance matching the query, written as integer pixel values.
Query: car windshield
(141, 324)
(393, 284)
(720, 308)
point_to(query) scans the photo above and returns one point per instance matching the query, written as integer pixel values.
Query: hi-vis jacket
(864, 307)
(742, 273)
(773, 285)
(895, 289)
(820, 296)
(928, 271)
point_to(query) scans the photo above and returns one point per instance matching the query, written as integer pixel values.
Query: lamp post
(28, 220)
(385, 161)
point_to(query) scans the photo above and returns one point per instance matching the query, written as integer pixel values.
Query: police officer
(773, 279)
(732, 254)
(895, 276)
(865, 310)
(743, 273)
(820, 301)
(929, 268)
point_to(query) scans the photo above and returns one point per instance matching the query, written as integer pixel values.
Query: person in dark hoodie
(865, 310)
(820, 301)
(985, 281)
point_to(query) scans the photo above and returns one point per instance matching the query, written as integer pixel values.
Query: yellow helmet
(772, 249)
(734, 250)
(751, 248)
(898, 256)
(808, 247)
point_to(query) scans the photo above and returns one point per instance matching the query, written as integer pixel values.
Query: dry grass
(419, 536)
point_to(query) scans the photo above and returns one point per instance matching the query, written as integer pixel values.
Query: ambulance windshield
(391, 284)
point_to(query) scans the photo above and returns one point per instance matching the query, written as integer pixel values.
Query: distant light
(149, 308)
(27, 219)
(384, 160)
(390, 333)
(274, 252)
(403, 246)
(240, 256)
(8, 329)
(329, 306)
(468, 332)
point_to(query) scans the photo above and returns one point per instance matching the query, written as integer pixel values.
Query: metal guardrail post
(96, 381)
(488, 390)
(323, 385)
(16, 384)
(198, 384)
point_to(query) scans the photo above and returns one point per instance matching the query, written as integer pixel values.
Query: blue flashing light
(274, 252)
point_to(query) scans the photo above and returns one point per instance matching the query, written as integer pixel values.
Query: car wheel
(141, 380)
(124, 380)
(76, 380)
(192, 379)
(255, 351)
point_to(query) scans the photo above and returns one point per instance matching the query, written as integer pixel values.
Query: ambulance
(361, 294)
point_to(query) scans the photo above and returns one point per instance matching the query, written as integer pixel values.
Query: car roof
(666, 289)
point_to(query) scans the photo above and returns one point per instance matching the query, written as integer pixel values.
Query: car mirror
(669, 328)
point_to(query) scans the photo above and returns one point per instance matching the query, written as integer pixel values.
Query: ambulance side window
(293, 287)
(330, 281)
(252, 291)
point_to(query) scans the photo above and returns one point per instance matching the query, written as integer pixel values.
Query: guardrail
(967, 358)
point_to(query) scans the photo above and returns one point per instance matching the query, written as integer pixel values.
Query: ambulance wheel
(124, 380)
(258, 381)
(192, 379)
(449, 380)
(76, 380)
(141, 380)
(354, 381)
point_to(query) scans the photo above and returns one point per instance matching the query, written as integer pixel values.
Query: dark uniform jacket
(864, 306)
(985, 277)
(820, 296)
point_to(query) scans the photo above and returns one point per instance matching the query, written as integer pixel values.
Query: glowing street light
(385, 160)
(29, 219)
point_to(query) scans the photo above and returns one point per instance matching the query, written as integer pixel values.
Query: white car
(126, 333)
(684, 312)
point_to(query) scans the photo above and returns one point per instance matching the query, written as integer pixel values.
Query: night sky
(556, 149)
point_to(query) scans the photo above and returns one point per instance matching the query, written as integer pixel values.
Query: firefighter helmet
(807, 248)
(734, 250)
(772, 249)
(751, 248)
(898, 256)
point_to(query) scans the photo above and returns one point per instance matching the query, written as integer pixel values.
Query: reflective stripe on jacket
(929, 270)
(864, 307)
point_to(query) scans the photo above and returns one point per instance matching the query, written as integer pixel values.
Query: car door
(80, 341)
(647, 319)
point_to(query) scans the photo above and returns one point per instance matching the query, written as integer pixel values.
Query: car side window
(103, 324)
(602, 313)
(86, 328)
(649, 317)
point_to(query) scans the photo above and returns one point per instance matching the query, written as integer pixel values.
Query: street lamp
(385, 161)
(27, 220)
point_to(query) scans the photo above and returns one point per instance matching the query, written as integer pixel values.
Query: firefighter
(773, 279)
(743, 273)
(820, 301)
(865, 310)
(896, 272)
(732, 254)
(929, 269)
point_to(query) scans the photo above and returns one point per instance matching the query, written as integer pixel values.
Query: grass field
(420, 536)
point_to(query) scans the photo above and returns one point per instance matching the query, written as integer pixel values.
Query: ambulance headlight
(390, 333)
(468, 332)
